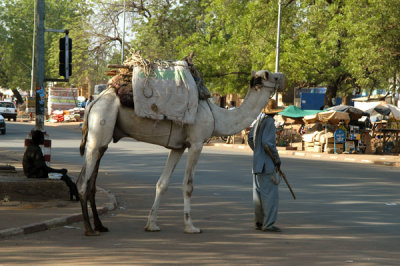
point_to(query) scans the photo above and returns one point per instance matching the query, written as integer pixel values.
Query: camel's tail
(85, 128)
(84, 131)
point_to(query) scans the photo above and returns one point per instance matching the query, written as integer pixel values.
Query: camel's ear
(265, 76)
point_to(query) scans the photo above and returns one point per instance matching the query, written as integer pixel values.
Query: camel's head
(264, 78)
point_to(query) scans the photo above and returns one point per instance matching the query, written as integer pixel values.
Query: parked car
(8, 110)
(2, 125)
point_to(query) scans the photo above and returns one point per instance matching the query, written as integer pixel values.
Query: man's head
(37, 137)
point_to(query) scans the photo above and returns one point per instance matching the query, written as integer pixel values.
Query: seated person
(35, 166)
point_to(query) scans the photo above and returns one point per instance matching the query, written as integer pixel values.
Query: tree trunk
(395, 91)
(330, 94)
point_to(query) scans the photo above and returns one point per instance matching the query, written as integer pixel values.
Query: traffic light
(65, 55)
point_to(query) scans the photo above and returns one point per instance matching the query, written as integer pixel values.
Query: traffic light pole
(39, 60)
(39, 65)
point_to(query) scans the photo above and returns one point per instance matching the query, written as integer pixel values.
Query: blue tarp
(295, 112)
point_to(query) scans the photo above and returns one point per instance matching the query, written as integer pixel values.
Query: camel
(107, 119)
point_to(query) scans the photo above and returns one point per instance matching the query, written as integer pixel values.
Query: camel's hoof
(92, 233)
(152, 228)
(192, 230)
(101, 229)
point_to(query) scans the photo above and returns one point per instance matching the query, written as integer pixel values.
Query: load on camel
(112, 116)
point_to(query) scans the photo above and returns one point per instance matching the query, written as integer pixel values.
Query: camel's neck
(230, 122)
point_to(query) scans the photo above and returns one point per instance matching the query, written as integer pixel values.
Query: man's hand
(64, 171)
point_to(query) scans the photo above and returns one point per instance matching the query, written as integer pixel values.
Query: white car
(8, 110)
(2, 125)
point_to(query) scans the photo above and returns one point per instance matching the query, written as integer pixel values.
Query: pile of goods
(71, 115)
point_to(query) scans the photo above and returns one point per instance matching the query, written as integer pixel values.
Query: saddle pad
(168, 92)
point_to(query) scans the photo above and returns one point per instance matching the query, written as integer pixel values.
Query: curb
(394, 162)
(7, 168)
(56, 222)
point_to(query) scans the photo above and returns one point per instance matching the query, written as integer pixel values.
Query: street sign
(339, 137)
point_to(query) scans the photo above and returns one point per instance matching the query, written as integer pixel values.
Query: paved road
(345, 213)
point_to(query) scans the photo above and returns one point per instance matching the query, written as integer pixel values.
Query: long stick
(282, 174)
(287, 183)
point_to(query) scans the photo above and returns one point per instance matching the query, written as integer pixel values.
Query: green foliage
(71, 15)
(16, 35)
(235, 37)
(313, 57)
(372, 46)
(344, 45)
(341, 44)
(169, 20)
(16, 20)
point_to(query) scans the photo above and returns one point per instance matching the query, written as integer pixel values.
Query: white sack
(168, 93)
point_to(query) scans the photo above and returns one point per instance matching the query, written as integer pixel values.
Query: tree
(15, 51)
(71, 15)
(373, 50)
(157, 30)
(344, 44)
(16, 39)
(315, 53)
(235, 37)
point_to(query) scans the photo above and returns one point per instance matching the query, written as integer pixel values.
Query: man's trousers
(266, 200)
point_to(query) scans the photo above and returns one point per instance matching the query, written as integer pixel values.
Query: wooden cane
(282, 174)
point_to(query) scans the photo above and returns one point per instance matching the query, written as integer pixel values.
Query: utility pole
(278, 37)
(39, 65)
(123, 36)
(33, 53)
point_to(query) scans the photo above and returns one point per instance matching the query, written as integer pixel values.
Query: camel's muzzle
(280, 80)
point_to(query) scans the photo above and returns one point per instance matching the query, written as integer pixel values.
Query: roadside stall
(386, 127)
(63, 105)
(320, 136)
(358, 137)
(293, 125)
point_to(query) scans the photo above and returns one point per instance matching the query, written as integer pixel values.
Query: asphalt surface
(346, 212)
(31, 215)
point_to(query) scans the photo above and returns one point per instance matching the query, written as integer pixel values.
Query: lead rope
(275, 89)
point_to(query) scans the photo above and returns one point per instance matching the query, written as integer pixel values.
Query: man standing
(262, 136)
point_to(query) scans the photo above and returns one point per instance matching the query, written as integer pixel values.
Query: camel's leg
(162, 186)
(87, 191)
(192, 159)
(98, 226)
(101, 123)
(86, 222)
(85, 214)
